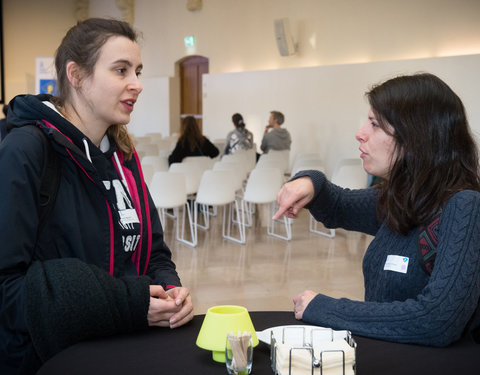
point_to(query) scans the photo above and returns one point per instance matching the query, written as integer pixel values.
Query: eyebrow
(127, 62)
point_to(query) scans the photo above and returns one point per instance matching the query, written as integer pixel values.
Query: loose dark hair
(237, 120)
(190, 134)
(436, 155)
(82, 44)
(278, 116)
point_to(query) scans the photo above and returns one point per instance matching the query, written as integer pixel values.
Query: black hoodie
(87, 273)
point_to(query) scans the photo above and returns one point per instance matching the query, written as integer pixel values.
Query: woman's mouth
(128, 104)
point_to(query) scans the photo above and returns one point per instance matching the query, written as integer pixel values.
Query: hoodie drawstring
(87, 149)
(119, 166)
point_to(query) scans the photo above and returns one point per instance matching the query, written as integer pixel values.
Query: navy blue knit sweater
(409, 307)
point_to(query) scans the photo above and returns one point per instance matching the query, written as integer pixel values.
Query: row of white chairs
(223, 184)
(246, 188)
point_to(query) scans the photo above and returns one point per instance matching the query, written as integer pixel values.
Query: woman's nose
(361, 135)
(136, 85)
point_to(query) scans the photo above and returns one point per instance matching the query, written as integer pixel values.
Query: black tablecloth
(164, 351)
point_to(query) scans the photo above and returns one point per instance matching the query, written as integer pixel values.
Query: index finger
(285, 203)
(179, 294)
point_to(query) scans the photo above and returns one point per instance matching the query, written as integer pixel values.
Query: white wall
(152, 110)
(324, 106)
(238, 35)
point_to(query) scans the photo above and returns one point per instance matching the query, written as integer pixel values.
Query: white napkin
(332, 362)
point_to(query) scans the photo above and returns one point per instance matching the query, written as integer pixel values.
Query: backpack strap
(50, 179)
(427, 244)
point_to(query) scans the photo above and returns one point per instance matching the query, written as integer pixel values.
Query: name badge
(396, 263)
(128, 216)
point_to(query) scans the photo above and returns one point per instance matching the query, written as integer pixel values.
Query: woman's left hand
(183, 300)
(301, 301)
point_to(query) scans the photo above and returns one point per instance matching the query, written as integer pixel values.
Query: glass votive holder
(239, 353)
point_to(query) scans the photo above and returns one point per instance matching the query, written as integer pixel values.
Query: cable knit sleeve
(337, 207)
(438, 314)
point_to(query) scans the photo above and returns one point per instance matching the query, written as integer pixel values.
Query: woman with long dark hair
(422, 269)
(191, 142)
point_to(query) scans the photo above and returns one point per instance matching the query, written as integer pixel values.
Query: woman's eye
(121, 70)
(138, 74)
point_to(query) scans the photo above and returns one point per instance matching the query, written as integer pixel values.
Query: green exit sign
(189, 41)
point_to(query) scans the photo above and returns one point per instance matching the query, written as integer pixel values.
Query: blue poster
(48, 86)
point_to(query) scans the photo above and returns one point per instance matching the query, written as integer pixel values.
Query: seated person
(422, 269)
(275, 137)
(191, 142)
(240, 138)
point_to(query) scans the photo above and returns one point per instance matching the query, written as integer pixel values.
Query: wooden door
(191, 71)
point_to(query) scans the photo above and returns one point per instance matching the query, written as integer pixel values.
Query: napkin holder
(316, 363)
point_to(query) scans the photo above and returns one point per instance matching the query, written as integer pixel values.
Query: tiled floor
(266, 272)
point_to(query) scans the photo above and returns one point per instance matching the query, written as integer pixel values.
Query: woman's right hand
(293, 196)
(161, 308)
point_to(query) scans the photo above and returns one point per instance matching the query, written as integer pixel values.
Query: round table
(165, 351)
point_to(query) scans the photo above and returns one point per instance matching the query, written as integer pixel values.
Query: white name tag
(396, 263)
(128, 216)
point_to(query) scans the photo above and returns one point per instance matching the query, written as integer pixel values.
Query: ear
(74, 74)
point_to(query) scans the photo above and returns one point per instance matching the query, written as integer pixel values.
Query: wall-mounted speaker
(284, 39)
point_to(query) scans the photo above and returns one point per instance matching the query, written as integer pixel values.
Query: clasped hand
(172, 308)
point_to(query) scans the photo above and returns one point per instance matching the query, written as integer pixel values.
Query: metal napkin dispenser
(323, 351)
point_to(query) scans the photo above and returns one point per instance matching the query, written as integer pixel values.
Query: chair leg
(246, 207)
(206, 216)
(249, 209)
(181, 237)
(161, 213)
(314, 229)
(227, 227)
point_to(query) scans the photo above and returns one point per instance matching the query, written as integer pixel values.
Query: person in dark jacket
(191, 142)
(98, 264)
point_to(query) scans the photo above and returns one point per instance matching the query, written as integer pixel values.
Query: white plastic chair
(238, 170)
(304, 165)
(266, 162)
(282, 155)
(192, 176)
(304, 160)
(262, 187)
(217, 188)
(202, 162)
(348, 173)
(147, 149)
(148, 172)
(238, 157)
(168, 191)
(165, 145)
(159, 163)
(154, 136)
